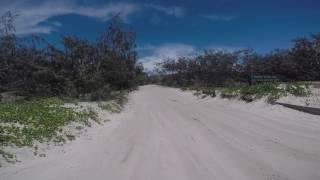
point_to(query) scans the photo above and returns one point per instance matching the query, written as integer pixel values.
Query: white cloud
(34, 17)
(215, 17)
(157, 54)
(171, 10)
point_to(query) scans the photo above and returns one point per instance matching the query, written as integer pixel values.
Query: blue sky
(172, 28)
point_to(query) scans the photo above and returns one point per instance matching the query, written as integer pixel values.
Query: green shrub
(264, 89)
(229, 93)
(298, 89)
(210, 92)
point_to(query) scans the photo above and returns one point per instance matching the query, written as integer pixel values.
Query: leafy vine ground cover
(24, 123)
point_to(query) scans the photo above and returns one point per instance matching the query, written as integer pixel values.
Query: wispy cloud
(169, 10)
(215, 17)
(34, 17)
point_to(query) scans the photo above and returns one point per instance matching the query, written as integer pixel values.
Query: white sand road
(167, 134)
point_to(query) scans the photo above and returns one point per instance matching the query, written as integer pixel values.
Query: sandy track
(166, 134)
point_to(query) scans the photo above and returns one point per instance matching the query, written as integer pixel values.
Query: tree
(33, 67)
(303, 54)
(116, 48)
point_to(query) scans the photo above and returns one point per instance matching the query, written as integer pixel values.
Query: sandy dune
(167, 134)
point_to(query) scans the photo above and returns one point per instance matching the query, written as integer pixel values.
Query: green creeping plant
(23, 123)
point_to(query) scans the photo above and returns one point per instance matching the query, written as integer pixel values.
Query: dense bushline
(33, 67)
(226, 68)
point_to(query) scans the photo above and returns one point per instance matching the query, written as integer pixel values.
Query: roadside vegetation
(223, 68)
(229, 72)
(26, 122)
(38, 81)
(76, 68)
(271, 91)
